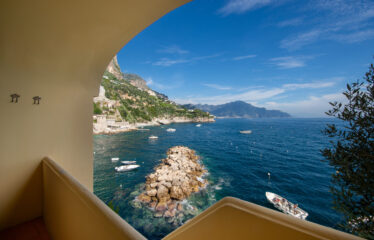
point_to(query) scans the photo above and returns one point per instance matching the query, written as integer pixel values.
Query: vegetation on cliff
(138, 104)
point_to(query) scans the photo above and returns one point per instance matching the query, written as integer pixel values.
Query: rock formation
(176, 178)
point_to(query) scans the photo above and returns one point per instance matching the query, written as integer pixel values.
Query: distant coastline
(128, 127)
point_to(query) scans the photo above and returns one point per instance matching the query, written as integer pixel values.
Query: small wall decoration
(36, 100)
(14, 97)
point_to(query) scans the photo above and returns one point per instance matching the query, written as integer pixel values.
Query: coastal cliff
(178, 176)
(125, 103)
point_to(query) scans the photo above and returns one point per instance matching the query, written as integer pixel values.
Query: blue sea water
(238, 166)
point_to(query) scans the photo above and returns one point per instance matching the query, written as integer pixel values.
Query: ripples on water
(237, 163)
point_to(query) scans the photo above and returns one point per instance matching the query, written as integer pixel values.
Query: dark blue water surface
(238, 166)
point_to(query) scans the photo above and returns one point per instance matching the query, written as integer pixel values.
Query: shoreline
(139, 126)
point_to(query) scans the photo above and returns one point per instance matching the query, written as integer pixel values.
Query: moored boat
(198, 125)
(171, 130)
(246, 132)
(115, 159)
(124, 168)
(286, 206)
(153, 137)
(128, 162)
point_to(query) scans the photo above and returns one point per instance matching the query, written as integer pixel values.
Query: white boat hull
(128, 162)
(286, 206)
(125, 168)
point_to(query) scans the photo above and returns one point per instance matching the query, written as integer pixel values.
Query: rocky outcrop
(175, 179)
(114, 68)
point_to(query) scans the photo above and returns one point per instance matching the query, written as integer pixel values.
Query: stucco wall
(57, 50)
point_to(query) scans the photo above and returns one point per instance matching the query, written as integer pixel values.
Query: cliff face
(114, 68)
(125, 101)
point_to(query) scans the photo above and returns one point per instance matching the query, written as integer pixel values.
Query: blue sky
(290, 55)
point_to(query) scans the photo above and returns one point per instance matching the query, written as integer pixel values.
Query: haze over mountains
(238, 109)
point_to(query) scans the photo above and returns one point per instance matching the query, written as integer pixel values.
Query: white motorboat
(115, 159)
(171, 130)
(198, 125)
(246, 132)
(128, 162)
(124, 168)
(286, 206)
(153, 137)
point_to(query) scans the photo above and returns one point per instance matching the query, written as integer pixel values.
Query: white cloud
(345, 21)
(310, 107)
(173, 49)
(353, 37)
(218, 87)
(248, 96)
(312, 85)
(152, 83)
(300, 40)
(289, 62)
(290, 22)
(157, 85)
(244, 57)
(167, 62)
(241, 6)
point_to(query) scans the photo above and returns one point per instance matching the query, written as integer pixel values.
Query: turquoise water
(237, 163)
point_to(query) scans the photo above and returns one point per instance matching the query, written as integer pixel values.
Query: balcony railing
(70, 211)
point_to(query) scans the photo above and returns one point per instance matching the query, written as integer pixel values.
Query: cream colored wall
(57, 50)
(232, 218)
(72, 212)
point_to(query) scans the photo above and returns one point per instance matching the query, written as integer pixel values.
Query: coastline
(99, 129)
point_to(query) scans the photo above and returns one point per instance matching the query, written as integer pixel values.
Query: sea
(280, 155)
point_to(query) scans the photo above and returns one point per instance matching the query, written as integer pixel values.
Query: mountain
(126, 102)
(238, 109)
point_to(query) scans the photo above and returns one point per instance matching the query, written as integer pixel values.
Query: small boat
(171, 130)
(143, 129)
(153, 137)
(246, 132)
(126, 168)
(286, 206)
(115, 159)
(198, 125)
(128, 162)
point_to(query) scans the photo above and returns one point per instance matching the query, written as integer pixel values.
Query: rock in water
(179, 175)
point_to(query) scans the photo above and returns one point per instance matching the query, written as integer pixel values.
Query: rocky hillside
(126, 99)
(238, 109)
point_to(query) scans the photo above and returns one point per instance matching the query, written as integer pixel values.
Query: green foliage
(352, 156)
(111, 206)
(138, 105)
(96, 109)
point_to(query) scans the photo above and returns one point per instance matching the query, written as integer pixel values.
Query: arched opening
(245, 160)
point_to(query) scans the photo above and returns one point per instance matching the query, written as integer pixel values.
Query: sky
(289, 55)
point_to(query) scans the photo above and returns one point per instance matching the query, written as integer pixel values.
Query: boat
(115, 159)
(286, 206)
(128, 162)
(143, 129)
(125, 168)
(198, 125)
(153, 137)
(171, 130)
(246, 132)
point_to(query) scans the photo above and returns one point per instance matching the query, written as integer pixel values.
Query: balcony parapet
(232, 218)
(71, 211)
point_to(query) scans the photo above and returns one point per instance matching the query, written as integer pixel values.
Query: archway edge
(57, 50)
